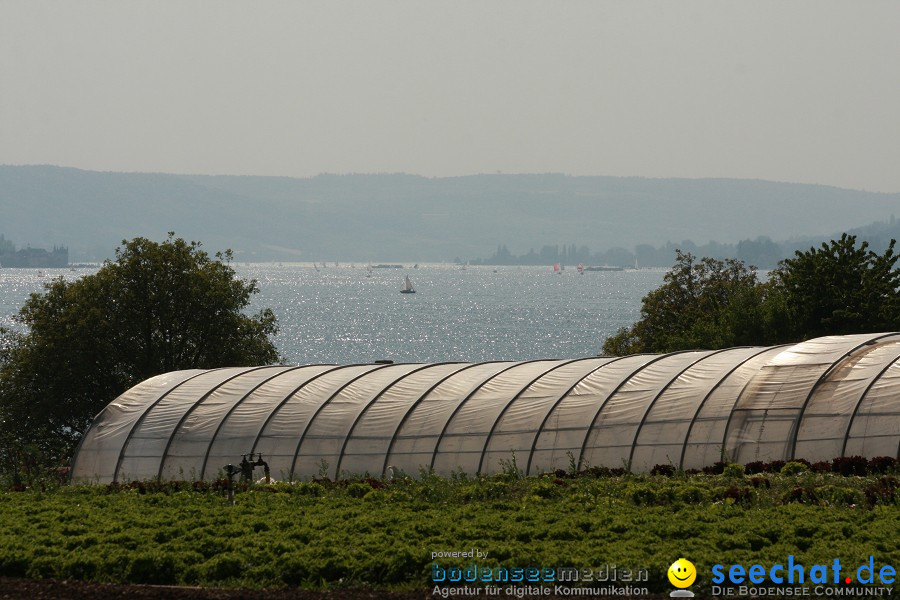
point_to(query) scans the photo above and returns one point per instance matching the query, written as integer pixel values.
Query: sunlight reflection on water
(341, 315)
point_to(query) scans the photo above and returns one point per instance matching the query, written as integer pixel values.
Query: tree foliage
(158, 307)
(705, 303)
(840, 288)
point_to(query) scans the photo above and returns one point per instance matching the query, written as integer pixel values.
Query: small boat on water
(408, 287)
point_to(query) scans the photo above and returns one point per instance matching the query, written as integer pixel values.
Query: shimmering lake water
(346, 314)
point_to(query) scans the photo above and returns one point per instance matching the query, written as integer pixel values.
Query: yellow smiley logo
(682, 573)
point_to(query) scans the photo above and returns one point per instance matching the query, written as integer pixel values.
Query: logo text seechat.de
(795, 573)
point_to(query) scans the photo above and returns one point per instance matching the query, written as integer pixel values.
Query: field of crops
(384, 534)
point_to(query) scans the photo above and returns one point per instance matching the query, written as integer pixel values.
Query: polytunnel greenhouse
(820, 399)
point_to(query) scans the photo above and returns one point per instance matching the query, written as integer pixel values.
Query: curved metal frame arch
(861, 399)
(77, 451)
(288, 396)
(412, 407)
(487, 440)
(662, 391)
(709, 395)
(318, 410)
(795, 427)
(365, 409)
(562, 397)
(587, 433)
(465, 400)
(140, 419)
(737, 401)
(234, 407)
(190, 410)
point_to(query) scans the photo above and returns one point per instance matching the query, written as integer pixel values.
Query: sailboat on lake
(408, 287)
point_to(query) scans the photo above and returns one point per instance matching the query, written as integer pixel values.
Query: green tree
(839, 288)
(158, 307)
(705, 303)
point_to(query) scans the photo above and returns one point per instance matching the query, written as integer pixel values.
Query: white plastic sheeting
(819, 399)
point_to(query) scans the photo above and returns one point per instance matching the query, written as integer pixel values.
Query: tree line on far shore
(761, 252)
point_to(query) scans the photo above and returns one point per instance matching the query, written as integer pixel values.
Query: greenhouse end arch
(819, 399)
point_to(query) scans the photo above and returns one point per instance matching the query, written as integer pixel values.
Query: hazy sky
(803, 91)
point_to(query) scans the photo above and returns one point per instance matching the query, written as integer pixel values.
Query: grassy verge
(383, 534)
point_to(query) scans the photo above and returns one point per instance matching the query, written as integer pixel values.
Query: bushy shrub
(760, 482)
(43, 567)
(841, 496)
(13, 562)
(822, 466)
(883, 491)
(775, 466)
(794, 468)
(223, 567)
(664, 470)
(374, 495)
(738, 495)
(693, 494)
(882, 465)
(643, 496)
(733, 471)
(850, 465)
(492, 490)
(600, 472)
(294, 569)
(754, 467)
(715, 468)
(152, 568)
(546, 489)
(358, 490)
(309, 489)
(801, 494)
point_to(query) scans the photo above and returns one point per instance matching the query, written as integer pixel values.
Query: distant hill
(397, 217)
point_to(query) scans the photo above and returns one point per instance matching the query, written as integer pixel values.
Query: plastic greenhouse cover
(564, 429)
(705, 442)
(765, 416)
(96, 458)
(875, 428)
(466, 432)
(419, 432)
(367, 445)
(818, 399)
(664, 431)
(612, 435)
(281, 436)
(825, 422)
(515, 429)
(239, 429)
(141, 455)
(190, 439)
(328, 427)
